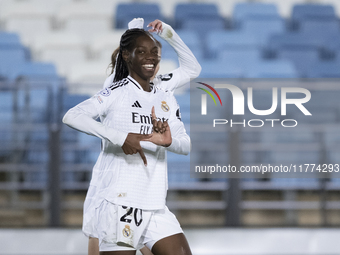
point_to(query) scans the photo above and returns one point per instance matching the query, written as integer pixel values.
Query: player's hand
(132, 145)
(156, 26)
(161, 131)
(158, 125)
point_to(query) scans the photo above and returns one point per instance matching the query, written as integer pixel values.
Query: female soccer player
(129, 208)
(189, 69)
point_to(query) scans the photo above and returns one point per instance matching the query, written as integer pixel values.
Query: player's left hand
(156, 26)
(161, 131)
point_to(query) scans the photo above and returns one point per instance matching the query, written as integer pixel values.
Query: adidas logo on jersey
(136, 104)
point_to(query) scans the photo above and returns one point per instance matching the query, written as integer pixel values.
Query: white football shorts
(122, 228)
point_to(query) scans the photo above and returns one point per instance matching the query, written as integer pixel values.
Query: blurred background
(56, 53)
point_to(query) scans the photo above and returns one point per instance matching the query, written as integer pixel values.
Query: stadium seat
(313, 11)
(8, 39)
(35, 70)
(64, 49)
(262, 29)
(332, 43)
(6, 105)
(302, 49)
(10, 59)
(102, 46)
(12, 53)
(87, 77)
(316, 12)
(325, 69)
(271, 69)
(287, 40)
(85, 19)
(27, 19)
(240, 56)
(125, 12)
(219, 69)
(196, 11)
(243, 11)
(221, 39)
(303, 59)
(203, 25)
(108, 4)
(319, 28)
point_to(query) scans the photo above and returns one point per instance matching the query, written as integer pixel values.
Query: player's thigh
(172, 245)
(93, 248)
(117, 252)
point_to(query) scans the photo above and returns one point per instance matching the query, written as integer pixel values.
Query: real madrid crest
(165, 107)
(127, 231)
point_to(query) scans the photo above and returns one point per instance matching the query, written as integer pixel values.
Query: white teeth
(148, 66)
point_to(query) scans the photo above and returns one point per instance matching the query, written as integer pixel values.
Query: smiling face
(143, 59)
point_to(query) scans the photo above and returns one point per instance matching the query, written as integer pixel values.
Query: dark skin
(146, 52)
(141, 62)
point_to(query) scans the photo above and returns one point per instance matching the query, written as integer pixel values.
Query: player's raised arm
(189, 68)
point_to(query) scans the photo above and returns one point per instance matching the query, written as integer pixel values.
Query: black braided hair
(113, 59)
(127, 42)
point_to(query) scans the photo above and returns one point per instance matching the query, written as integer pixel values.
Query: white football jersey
(124, 107)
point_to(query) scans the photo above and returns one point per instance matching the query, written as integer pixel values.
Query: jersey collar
(153, 89)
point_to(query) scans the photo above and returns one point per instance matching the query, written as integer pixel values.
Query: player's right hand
(156, 26)
(132, 145)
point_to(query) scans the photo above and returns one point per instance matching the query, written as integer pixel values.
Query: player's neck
(145, 84)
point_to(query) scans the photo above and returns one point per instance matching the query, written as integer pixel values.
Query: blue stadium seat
(271, 69)
(40, 99)
(316, 12)
(303, 59)
(313, 11)
(8, 39)
(6, 106)
(221, 39)
(320, 28)
(187, 11)
(12, 54)
(325, 69)
(202, 25)
(125, 12)
(10, 58)
(242, 11)
(219, 69)
(294, 40)
(263, 28)
(35, 70)
(332, 43)
(240, 56)
(302, 49)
